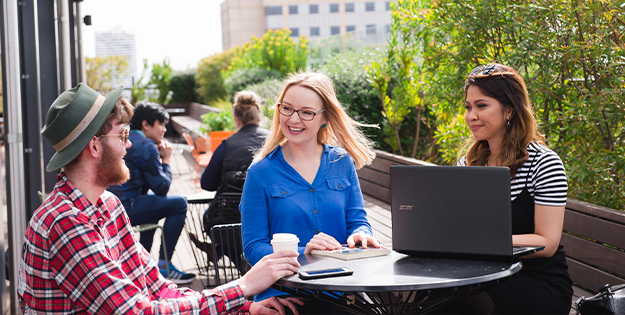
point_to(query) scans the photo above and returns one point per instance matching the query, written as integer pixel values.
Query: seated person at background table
(304, 181)
(80, 255)
(227, 168)
(145, 195)
(500, 115)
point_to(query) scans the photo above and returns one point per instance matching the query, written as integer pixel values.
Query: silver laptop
(453, 211)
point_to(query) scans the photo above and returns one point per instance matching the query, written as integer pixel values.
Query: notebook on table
(453, 211)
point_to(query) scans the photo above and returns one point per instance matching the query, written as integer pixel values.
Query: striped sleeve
(549, 179)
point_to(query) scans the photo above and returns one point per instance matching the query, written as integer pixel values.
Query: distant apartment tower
(120, 43)
(242, 19)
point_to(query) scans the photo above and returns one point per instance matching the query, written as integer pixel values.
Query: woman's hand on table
(275, 305)
(322, 241)
(364, 239)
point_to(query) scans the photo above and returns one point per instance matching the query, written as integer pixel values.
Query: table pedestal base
(403, 302)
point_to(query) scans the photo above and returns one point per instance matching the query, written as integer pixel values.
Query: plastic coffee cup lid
(284, 238)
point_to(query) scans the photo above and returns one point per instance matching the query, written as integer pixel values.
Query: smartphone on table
(325, 273)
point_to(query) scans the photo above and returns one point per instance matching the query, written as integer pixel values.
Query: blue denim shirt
(277, 199)
(146, 171)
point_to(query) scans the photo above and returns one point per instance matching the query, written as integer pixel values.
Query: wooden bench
(192, 121)
(375, 179)
(594, 240)
(593, 236)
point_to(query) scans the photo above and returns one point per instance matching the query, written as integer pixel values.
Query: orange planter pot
(217, 137)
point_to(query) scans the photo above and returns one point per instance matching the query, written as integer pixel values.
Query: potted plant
(218, 126)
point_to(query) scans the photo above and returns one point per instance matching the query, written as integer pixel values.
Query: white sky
(183, 30)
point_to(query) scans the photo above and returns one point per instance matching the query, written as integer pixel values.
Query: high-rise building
(242, 19)
(119, 43)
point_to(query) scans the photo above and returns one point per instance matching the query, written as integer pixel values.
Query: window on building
(273, 10)
(350, 28)
(334, 7)
(335, 30)
(388, 28)
(370, 29)
(295, 32)
(349, 7)
(388, 5)
(370, 6)
(292, 9)
(314, 8)
(314, 31)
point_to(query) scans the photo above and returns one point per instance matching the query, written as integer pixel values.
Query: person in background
(227, 168)
(79, 254)
(500, 116)
(144, 196)
(303, 181)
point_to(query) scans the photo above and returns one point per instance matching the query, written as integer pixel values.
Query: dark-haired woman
(500, 116)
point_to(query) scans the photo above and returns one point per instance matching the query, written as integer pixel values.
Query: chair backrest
(230, 264)
(202, 144)
(189, 140)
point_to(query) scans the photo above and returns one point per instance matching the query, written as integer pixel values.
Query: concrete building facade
(242, 19)
(119, 43)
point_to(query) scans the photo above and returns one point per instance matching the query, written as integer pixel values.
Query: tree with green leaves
(104, 72)
(161, 73)
(571, 54)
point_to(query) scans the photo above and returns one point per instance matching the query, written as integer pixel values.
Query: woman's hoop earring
(508, 122)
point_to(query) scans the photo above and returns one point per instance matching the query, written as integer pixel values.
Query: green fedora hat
(73, 120)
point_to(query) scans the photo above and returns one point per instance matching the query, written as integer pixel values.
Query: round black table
(397, 283)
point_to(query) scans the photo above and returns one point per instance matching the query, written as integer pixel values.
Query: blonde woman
(303, 180)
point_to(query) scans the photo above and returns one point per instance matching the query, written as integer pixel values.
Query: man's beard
(112, 169)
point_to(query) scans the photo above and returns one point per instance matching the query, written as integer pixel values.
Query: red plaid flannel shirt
(83, 259)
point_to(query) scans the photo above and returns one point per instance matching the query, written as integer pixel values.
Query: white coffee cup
(284, 241)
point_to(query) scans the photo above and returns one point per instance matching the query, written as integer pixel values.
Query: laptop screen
(451, 210)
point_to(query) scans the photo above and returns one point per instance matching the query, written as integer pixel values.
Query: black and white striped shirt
(543, 174)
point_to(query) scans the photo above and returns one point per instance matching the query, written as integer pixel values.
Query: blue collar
(139, 132)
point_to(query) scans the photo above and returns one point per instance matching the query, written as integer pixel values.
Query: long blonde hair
(507, 86)
(341, 130)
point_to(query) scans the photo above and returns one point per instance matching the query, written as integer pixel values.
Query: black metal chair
(197, 205)
(230, 264)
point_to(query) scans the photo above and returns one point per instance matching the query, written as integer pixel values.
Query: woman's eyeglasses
(304, 114)
(123, 137)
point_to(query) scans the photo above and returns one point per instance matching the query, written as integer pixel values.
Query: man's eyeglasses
(123, 137)
(304, 114)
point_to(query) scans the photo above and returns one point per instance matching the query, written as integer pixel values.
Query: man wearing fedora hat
(80, 255)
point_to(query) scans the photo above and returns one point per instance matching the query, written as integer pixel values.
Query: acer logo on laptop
(406, 207)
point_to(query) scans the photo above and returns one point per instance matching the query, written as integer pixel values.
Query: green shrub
(218, 121)
(354, 91)
(238, 80)
(209, 79)
(269, 91)
(183, 87)
(276, 50)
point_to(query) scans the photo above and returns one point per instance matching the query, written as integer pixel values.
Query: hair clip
(483, 70)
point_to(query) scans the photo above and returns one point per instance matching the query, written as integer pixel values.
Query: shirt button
(284, 192)
(316, 231)
(315, 211)
(339, 186)
(312, 190)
